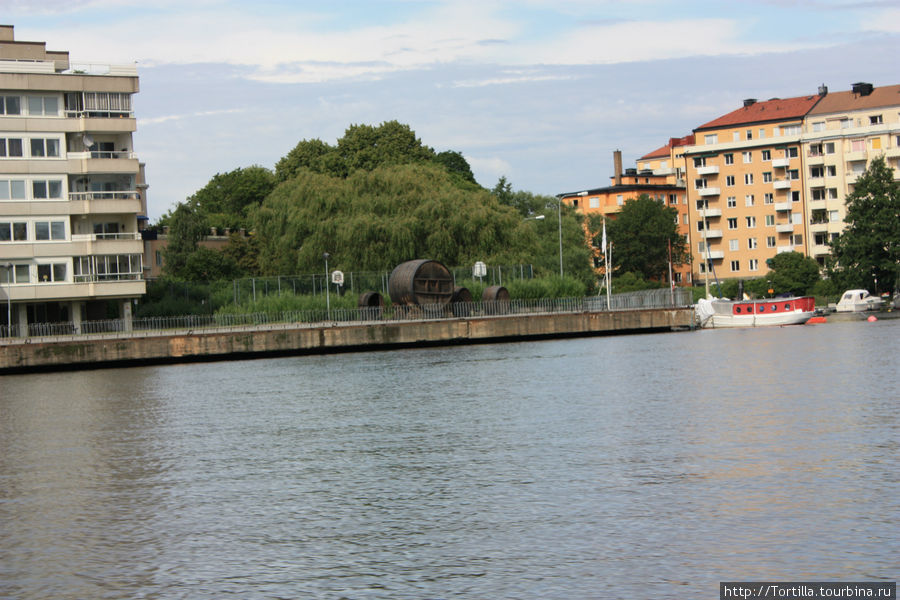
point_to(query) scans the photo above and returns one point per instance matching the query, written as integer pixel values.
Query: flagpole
(606, 250)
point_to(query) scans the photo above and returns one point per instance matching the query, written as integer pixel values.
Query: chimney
(749, 102)
(617, 166)
(863, 89)
(823, 90)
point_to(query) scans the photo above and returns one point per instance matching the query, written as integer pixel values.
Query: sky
(541, 92)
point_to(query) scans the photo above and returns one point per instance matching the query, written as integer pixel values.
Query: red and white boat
(721, 312)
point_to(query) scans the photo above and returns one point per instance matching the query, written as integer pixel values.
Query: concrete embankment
(95, 351)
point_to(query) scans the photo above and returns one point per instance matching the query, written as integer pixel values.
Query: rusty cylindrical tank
(371, 305)
(460, 301)
(495, 293)
(420, 282)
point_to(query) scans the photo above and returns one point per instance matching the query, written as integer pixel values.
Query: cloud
(143, 122)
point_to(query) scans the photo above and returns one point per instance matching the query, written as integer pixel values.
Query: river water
(646, 466)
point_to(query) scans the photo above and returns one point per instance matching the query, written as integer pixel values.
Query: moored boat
(721, 312)
(857, 301)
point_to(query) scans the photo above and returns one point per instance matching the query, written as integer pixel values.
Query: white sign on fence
(479, 270)
(337, 277)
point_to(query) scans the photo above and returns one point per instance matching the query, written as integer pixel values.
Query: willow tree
(374, 220)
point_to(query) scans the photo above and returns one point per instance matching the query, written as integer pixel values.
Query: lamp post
(559, 221)
(8, 301)
(327, 295)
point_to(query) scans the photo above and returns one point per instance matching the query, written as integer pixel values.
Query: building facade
(657, 180)
(72, 190)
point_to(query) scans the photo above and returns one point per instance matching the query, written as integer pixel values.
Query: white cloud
(143, 122)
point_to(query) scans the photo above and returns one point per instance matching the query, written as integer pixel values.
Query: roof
(665, 151)
(775, 109)
(838, 102)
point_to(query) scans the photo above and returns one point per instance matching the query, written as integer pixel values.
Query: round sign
(479, 270)
(337, 277)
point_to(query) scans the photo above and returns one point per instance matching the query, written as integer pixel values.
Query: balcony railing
(93, 237)
(95, 277)
(708, 191)
(710, 170)
(782, 184)
(119, 195)
(100, 154)
(781, 163)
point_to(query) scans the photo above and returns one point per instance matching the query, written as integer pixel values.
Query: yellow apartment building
(842, 133)
(744, 184)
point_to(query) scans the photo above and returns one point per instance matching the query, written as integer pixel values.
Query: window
(749, 134)
(748, 178)
(729, 180)
(754, 264)
(818, 126)
(770, 220)
(766, 155)
(733, 245)
(762, 133)
(620, 200)
(751, 221)
(818, 194)
(10, 105)
(791, 130)
(816, 172)
(832, 193)
(748, 157)
(793, 152)
(751, 243)
(19, 274)
(699, 184)
(820, 239)
(829, 147)
(857, 145)
(45, 147)
(793, 174)
(50, 230)
(729, 159)
(831, 171)
(736, 136)
(770, 241)
(876, 143)
(732, 201)
(875, 120)
(749, 200)
(673, 199)
(98, 104)
(595, 202)
(12, 189)
(701, 247)
(711, 138)
(13, 232)
(795, 196)
(767, 177)
(51, 272)
(797, 239)
(46, 189)
(768, 198)
(732, 223)
(735, 265)
(700, 225)
(815, 149)
(846, 123)
(11, 147)
(833, 216)
(43, 106)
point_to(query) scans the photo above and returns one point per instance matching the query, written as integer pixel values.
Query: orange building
(658, 181)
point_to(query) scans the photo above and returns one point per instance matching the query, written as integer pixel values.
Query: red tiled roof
(846, 101)
(768, 110)
(673, 142)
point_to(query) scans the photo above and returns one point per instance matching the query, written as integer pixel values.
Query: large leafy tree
(225, 200)
(186, 228)
(867, 253)
(640, 235)
(793, 272)
(374, 220)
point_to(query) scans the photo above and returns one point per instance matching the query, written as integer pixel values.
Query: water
(649, 466)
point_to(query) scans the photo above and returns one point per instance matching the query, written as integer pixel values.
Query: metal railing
(336, 317)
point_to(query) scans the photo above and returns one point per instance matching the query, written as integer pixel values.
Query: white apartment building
(843, 133)
(71, 191)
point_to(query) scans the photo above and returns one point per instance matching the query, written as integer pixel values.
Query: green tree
(456, 164)
(308, 154)
(867, 253)
(206, 264)
(793, 272)
(186, 228)
(640, 234)
(225, 200)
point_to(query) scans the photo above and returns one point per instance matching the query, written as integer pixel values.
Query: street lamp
(559, 220)
(326, 256)
(8, 301)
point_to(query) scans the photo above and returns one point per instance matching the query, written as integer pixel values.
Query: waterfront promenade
(340, 331)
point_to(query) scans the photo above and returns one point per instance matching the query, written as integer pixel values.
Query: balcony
(121, 202)
(710, 170)
(713, 255)
(711, 234)
(706, 213)
(781, 163)
(815, 158)
(782, 249)
(820, 250)
(708, 191)
(107, 243)
(856, 156)
(785, 228)
(133, 286)
(817, 204)
(782, 184)
(818, 226)
(783, 206)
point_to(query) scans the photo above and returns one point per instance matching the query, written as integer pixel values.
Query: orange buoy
(872, 319)
(814, 320)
